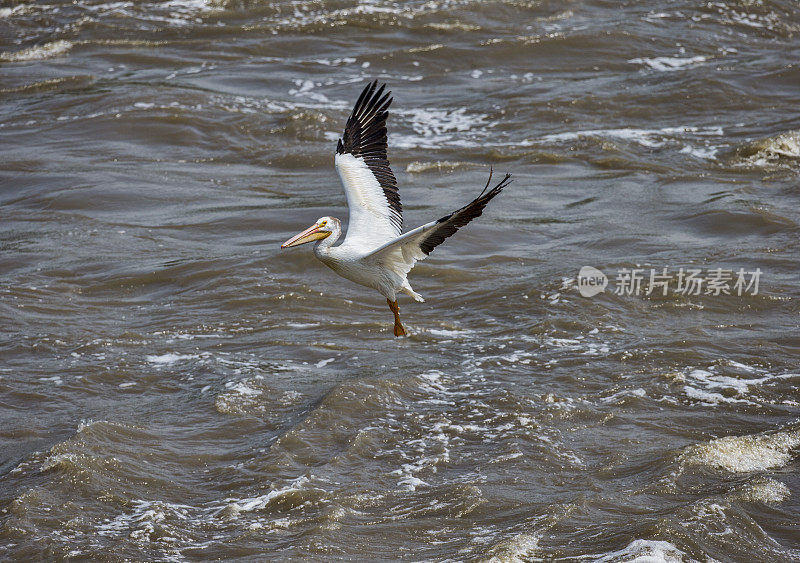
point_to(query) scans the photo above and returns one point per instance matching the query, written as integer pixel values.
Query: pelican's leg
(398, 327)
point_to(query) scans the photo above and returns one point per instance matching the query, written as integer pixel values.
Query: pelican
(376, 253)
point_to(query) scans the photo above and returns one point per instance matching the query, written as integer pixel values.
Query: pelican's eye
(323, 223)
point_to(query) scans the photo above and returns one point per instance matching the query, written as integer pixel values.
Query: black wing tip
(365, 137)
(502, 184)
(457, 219)
(485, 197)
(368, 118)
(373, 86)
(372, 99)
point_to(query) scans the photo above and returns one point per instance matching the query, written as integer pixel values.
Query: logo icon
(591, 281)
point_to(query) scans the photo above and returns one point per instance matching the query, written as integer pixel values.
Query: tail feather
(413, 294)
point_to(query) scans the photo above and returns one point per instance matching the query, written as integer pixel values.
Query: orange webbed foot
(398, 326)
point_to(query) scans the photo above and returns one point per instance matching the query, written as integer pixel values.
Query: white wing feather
(370, 223)
(402, 253)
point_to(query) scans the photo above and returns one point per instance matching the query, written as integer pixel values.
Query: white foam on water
(518, 548)
(452, 26)
(59, 456)
(56, 380)
(592, 343)
(654, 17)
(748, 18)
(304, 14)
(235, 506)
(449, 333)
(434, 382)
(709, 387)
(433, 448)
(305, 88)
(191, 70)
(407, 472)
(7, 12)
(192, 5)
(436, 127)
(336, 61)
(710, 398)
(646, 551)
(88, 423)
(711, 380)
(45, 51)
(190, 336)
(417, 167)
(323, 363)
(303, 325)
(669, 64)
(506, 457)
(567, 343)
(169, 358)
(744, 454)
(305, 100)
(141, 522)
(650, 138)
(700, 153)
(174, 12)
(625, 393)
(743, 367)
(767, 491)
(773, 151)
(116, 112)
(56, 460)
(243, 389)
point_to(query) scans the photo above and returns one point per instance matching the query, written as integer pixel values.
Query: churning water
(175, 387)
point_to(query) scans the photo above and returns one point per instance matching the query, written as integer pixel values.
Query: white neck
(322, 246)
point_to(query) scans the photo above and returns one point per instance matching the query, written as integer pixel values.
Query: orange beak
(310, 234)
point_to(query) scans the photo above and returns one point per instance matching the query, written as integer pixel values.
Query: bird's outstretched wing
(376, 215)
(403, 252)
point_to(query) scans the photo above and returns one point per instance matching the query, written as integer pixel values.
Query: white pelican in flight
(375, 253)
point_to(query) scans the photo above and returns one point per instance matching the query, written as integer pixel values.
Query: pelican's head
(323, 228)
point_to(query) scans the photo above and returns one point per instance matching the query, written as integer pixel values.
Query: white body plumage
(386, 276)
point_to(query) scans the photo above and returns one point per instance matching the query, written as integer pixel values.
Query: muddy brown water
(173, 386)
